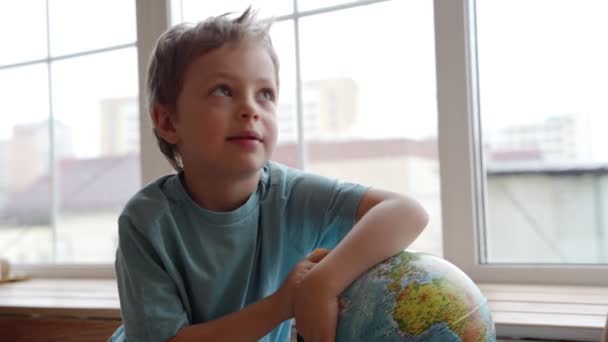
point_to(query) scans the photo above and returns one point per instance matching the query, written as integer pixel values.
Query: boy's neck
(220, 194)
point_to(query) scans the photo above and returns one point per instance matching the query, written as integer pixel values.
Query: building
(401, 165)
(556, 140)
(545, 193)
(330, 109)
(5, 177)
(29, 152)
(119, 126)
(552, 214)
(92, 192)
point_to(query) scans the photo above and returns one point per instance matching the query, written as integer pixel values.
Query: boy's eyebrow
(223, 74)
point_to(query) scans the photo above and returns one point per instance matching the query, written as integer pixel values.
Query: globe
(414, 297)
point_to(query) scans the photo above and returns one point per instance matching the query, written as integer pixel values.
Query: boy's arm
(386, 224)
(258, 319)
(250, 324)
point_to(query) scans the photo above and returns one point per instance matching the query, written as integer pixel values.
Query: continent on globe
(414, 297)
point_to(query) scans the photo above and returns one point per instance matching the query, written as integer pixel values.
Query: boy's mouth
(246, 135)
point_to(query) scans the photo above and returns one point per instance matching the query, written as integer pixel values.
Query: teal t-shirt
(178, 264)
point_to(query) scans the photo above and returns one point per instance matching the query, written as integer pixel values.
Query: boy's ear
(165, 124)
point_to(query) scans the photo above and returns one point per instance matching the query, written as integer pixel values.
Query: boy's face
(225, 121)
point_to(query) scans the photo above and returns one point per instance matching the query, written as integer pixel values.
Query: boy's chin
(229, 169)
(245, 168)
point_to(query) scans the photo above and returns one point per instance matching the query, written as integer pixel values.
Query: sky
(538, 58)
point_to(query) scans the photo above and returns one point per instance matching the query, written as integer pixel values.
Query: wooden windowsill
(67, 298)
(551, 312)
(533, 311)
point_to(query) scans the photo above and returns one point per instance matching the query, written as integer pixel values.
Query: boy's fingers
(318, 254)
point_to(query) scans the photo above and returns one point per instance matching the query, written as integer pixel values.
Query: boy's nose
(250, 115)
(247, 108)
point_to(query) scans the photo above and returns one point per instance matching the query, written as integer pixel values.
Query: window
(545, 79)
(521, 107)
(376, 123)
(513, 111)
(371, 123)
(69, 143)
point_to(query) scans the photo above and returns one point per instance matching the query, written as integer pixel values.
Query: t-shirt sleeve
(149, 301)
(324, 209)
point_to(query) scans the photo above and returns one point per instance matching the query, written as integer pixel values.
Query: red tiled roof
(320, 151)
(84, 184)
(516, 155)
(107, 183)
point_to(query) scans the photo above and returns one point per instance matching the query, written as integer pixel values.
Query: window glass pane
(96, 101)
(543, 80)
(22, 31)
(196, 10)
(25, 201)
(306, 5)
(282, 34)
(370, 104)
(77, 26)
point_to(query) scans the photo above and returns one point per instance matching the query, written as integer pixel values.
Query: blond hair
(179, 46)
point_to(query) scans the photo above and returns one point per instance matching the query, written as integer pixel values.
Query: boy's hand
(316, 309)
(290, 286)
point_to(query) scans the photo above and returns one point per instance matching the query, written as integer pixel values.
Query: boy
(221, 250)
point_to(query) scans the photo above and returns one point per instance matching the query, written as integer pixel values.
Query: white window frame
(461, 170)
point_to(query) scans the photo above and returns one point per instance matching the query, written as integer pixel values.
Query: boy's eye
(221, 90)
(268, 94)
